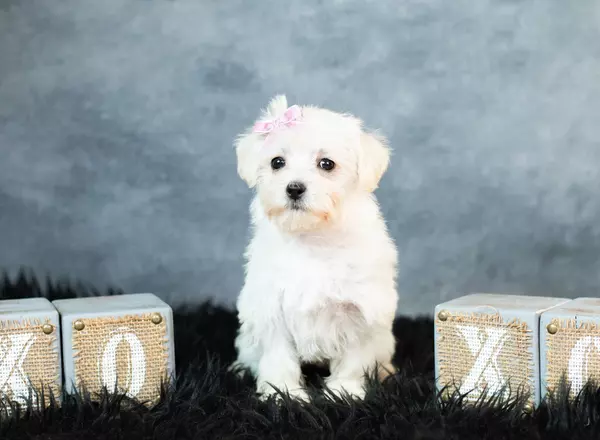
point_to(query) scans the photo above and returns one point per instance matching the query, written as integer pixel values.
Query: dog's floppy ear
(373, 160)
(247, 145)
(247, 158)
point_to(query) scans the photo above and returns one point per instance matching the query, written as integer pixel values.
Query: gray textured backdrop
(117, 119)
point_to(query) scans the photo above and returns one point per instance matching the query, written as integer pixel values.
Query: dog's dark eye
(277, 162)
(326, 164)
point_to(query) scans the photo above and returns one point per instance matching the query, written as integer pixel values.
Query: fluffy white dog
(320, 281)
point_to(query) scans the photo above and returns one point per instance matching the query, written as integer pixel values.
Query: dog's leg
(348, 371)
(248, 353)
(279, 367)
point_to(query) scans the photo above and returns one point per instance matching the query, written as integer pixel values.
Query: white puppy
(321, 268)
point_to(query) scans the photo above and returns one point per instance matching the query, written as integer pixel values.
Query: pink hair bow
(289, 118)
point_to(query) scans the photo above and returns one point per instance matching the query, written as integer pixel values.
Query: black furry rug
(209, 403)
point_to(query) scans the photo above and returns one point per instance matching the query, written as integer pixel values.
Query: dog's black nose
(295, 190)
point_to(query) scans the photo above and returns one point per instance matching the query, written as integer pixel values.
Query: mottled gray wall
(117, 119)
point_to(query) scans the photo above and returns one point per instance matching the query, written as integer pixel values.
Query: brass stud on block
(79, 325)
(443, 315)
(552, 328)
(528, 408)
(156, 318)
(47, 328)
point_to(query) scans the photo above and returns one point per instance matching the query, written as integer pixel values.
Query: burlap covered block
(30, 364)
(486, 345)
(120, 344)
(570, 351)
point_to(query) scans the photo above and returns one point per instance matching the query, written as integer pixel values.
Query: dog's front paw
(346, 387)
(299, 394)
(237, 368)
(266, 391)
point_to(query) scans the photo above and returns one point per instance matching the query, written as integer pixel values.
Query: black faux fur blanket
(209, 403)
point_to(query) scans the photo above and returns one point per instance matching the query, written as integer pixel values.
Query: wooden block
(122, 342)
(29, 351)
(490, 343)
(570, 345)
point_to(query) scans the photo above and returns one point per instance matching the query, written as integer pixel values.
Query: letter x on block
(30, 352)
(485, 345)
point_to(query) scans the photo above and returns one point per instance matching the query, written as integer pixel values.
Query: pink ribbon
(289, 118)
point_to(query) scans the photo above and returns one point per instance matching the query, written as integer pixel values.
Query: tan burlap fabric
(130, 352)
(472, 360)
(573, 354)
(28, 359)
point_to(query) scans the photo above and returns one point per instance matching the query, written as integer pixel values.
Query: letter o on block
(487, 345)
(121, 343)
(134, 372)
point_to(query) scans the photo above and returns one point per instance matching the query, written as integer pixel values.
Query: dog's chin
(296, 206)
(297, 217)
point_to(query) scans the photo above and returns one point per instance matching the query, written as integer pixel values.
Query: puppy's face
(303, 171)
